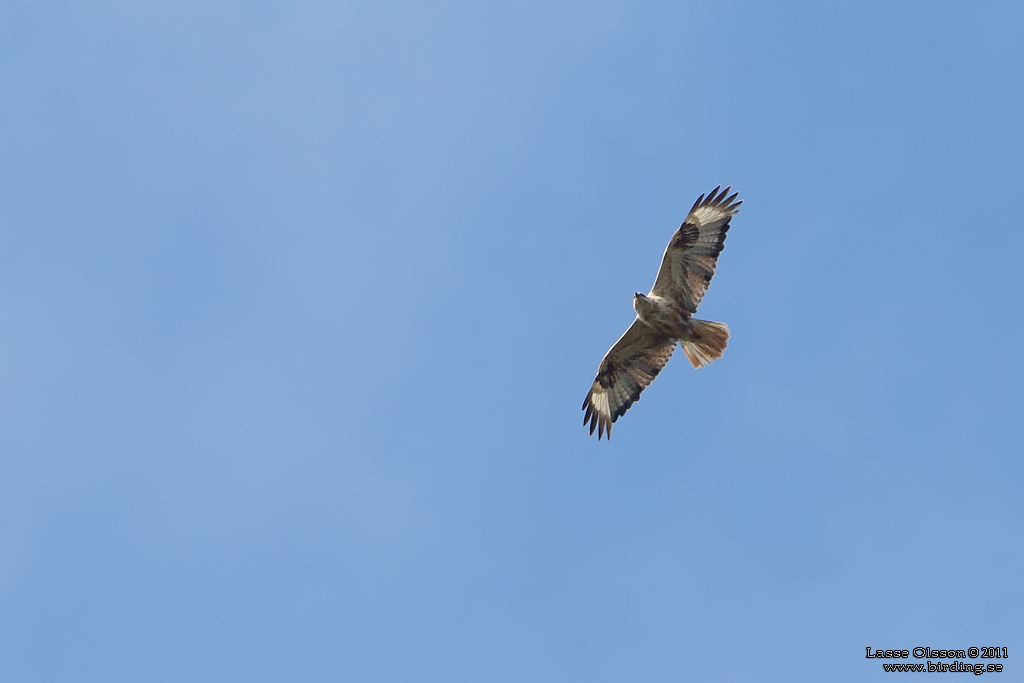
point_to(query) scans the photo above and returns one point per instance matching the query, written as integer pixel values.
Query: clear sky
(300, 302)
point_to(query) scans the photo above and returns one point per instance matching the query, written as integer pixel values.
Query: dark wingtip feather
(697, 203)
(717, 198)
(722, 199)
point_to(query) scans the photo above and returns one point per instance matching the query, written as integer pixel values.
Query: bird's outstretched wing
(629, 366)
(692, 254)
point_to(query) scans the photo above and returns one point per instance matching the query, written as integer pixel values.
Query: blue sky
(301, 301)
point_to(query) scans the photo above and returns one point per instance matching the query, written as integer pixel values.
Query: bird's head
(640, 302)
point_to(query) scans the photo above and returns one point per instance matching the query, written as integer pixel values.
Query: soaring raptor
(664, 316)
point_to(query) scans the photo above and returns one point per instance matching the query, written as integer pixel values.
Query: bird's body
(664, 316)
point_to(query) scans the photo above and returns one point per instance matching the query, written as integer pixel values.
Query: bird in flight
(664, 316)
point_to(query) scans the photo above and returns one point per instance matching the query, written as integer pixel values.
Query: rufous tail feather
(708, 343)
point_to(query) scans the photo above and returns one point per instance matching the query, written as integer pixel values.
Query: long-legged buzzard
(664, 316)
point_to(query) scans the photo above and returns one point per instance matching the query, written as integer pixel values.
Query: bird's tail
(707, 343)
